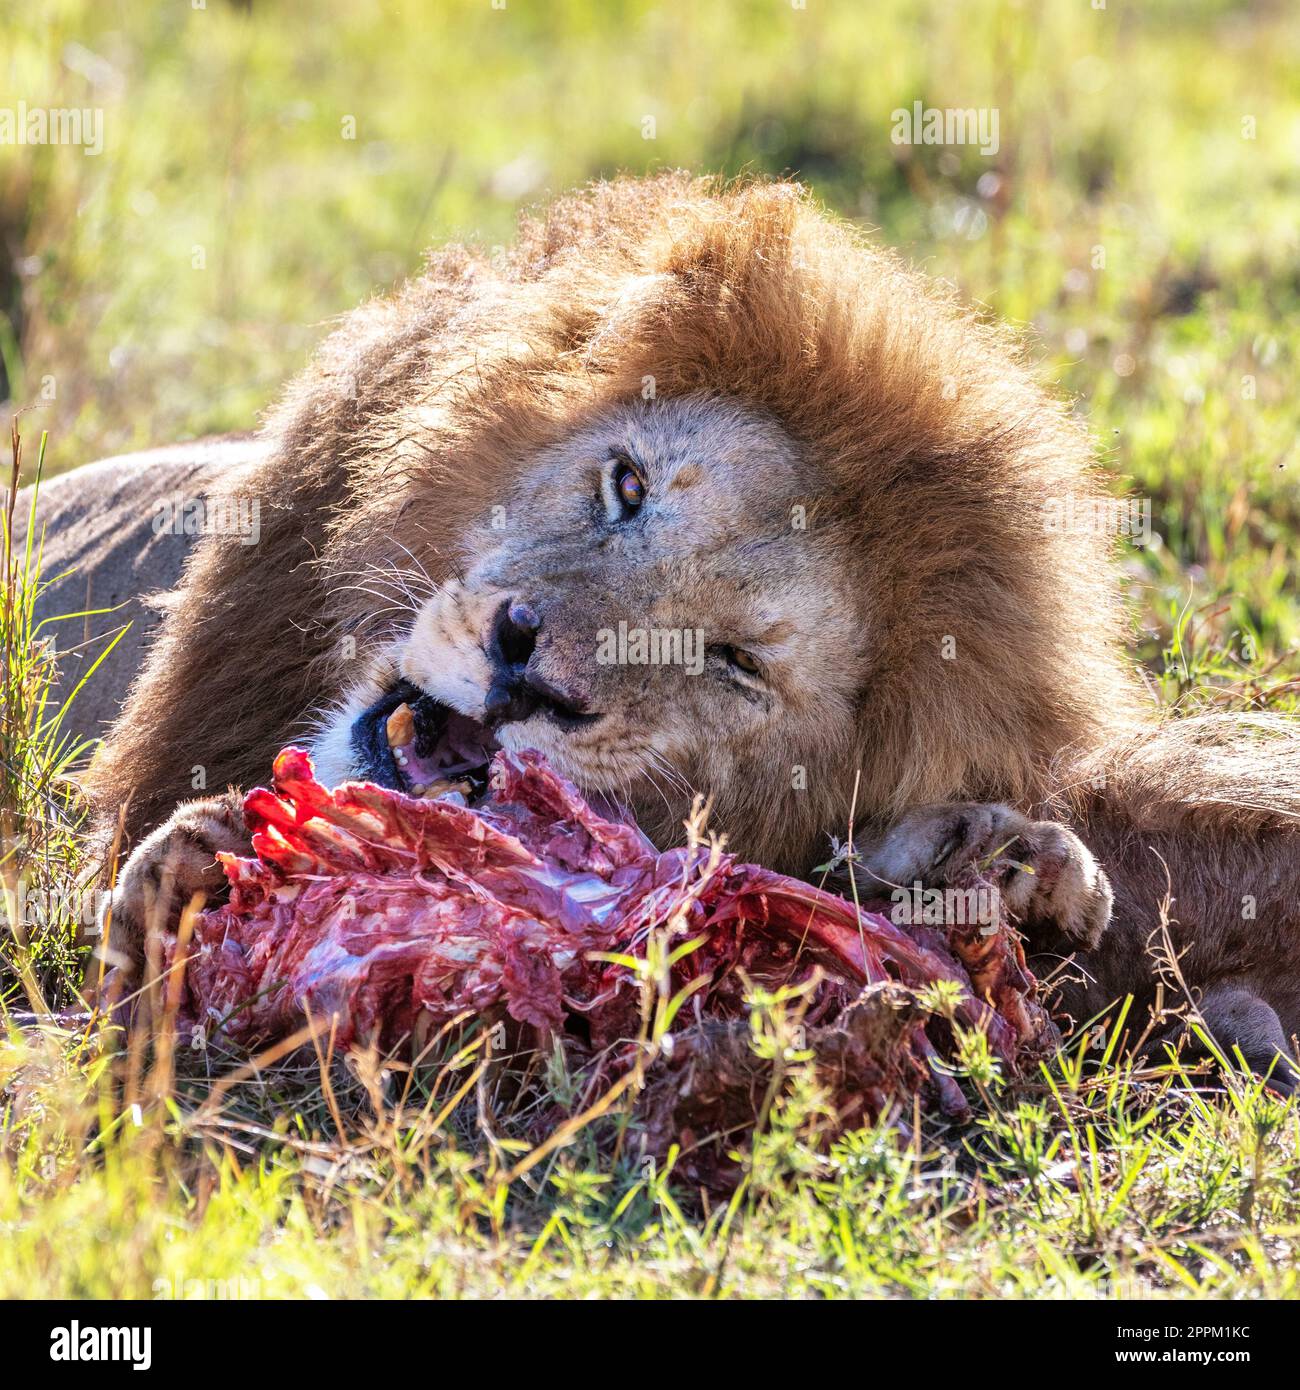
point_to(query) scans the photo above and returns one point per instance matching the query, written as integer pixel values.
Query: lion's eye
(629, 485)
(742, 660)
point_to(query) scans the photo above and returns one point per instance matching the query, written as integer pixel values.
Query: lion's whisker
(419, 565)
(674, 776)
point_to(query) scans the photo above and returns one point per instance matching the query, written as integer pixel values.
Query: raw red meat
(387, 916)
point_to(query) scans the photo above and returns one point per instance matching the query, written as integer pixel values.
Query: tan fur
(931, 454)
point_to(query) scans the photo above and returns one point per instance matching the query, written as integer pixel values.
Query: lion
(696, 490)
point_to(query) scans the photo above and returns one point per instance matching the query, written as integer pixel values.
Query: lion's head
(694, 490)
(643, 605)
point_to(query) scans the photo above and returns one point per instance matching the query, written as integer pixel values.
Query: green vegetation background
(1164, 132)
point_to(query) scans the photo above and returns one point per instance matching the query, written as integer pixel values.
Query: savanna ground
(268, 164)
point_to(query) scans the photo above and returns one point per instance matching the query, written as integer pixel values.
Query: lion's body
(1196, 821)
(107, 553)
(990, 666)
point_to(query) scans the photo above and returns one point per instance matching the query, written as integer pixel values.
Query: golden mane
(934, 458)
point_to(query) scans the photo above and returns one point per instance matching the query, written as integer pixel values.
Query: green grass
(166, 288)
(1109, 1187)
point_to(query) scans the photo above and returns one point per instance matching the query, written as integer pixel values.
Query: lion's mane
(937, 457)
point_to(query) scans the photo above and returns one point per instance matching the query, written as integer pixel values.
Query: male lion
(693, 489)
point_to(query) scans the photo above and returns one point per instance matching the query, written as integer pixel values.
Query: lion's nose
(518, 688)
(515, 632)
(514, 639)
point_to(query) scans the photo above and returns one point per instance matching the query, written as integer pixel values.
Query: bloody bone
(384, 915)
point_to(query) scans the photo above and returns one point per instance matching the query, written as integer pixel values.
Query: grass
(1138, 219)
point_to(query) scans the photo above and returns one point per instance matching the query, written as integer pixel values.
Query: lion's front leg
(1047, 875)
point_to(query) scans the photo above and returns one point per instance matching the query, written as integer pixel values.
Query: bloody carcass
(383, 916)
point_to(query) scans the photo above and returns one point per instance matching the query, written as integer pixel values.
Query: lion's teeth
(400, 727)
(418, 789)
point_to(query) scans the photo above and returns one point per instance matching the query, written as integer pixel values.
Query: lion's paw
(1047, 875)
(168, 868)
